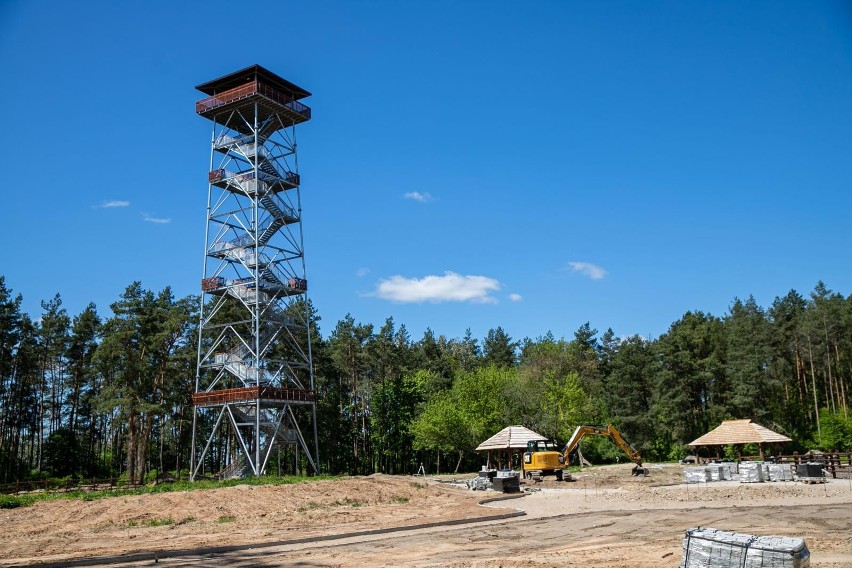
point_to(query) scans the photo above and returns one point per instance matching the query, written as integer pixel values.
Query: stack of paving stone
(696, 474)
(780, 472)
(704, 547)
(478, 483)
(718, 472)
(731, 467)
(752, 472)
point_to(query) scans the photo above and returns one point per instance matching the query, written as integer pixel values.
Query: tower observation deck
(254, 386)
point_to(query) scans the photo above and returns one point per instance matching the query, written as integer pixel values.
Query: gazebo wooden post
(719, 453)
(739, 453)
(762, 447)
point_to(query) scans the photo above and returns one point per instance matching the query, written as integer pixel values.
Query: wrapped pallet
(751, 472)
(780, 472)
(732, 468)
(704, 547)
(810, 473)
(696, 475)
(478, 483)
(718, 472)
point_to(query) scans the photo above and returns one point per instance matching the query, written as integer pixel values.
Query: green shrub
(835, 431)
(12, 502)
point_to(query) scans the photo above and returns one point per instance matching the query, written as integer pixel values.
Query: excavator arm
(609, 431)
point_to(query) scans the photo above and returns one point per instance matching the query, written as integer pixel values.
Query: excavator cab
(540, 446)
(542, 458)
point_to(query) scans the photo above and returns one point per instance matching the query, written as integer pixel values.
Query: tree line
(110, 395)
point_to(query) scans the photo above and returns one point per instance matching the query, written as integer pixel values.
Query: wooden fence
(66, 485)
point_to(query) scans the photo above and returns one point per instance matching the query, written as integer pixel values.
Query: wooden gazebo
(506, 440)
(738, 433)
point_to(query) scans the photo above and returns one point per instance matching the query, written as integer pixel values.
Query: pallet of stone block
(751, 472)
(704, 547)
(509, 484)
(718, 472)
(780, 472)
(731, 467)
(478, 483)
(696, 474)
(810, 473)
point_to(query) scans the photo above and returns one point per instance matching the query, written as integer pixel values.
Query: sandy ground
(604, 518)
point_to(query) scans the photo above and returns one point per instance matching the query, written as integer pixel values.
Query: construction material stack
(506, 481)
(780, 472)
(704, 547)
(752, 472)
(810, 473)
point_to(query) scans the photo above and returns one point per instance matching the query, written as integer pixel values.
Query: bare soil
(603, 518)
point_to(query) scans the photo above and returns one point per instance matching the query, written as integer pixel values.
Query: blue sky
(530, 165)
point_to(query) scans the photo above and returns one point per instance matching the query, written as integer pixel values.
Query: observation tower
(254, 385)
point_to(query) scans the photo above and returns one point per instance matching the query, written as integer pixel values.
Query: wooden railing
(832, 462)
(252, 393)
(247, 90)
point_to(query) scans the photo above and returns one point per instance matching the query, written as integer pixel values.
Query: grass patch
(151, 522)
(226, 519)
(347, 502)
(417, 485)
(311, 505)
(14, 501)
(400, 499)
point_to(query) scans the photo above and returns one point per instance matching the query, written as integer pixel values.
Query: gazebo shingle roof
(510, 437)
(731, 432)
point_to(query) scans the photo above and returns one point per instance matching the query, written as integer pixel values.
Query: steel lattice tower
(254, 386)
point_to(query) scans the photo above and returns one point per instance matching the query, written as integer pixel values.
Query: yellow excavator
(541, 457)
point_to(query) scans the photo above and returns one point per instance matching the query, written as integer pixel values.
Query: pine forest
(108, 395)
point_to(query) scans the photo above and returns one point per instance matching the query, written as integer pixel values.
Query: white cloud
(450, 287)
(156, 220)
(361, 272)
(417, 196)
(516, 297)
(588, 269)
(112, 203)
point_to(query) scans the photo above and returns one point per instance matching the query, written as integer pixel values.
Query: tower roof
(252, 73)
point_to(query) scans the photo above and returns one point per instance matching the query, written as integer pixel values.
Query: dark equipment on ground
(509, 484)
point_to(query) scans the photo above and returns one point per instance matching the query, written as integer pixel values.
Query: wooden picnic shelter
(506, 441)
(737, 433)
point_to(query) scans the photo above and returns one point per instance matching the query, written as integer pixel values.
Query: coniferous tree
(751, 389)
(498, 349)
(53, 338)
(686, 390)
(630, 391)
(137, 359)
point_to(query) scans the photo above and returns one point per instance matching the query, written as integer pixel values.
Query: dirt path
(603, 519)
(609, 538)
